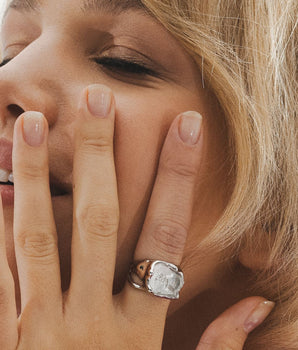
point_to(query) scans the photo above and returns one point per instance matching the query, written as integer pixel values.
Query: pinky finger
(230, 330)
(8, 313)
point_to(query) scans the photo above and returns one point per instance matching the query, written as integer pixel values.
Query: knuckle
(98, 221)
(97, 144)
(170, 236)
(33, 171)
(35, 243)
(172, 168)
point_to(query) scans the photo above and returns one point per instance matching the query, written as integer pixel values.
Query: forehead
(114, 6)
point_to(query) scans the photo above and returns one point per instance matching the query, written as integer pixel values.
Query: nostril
(15, 110)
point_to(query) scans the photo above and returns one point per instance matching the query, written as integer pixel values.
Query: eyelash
(4, 62)
(114, 64)
(123, 65)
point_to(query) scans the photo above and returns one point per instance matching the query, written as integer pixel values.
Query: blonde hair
(247, 54)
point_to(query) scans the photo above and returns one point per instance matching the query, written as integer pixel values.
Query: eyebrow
(113, 6)
(88, 6)
(23, 5)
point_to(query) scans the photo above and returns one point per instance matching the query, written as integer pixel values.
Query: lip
(5, 154)
(7, 194)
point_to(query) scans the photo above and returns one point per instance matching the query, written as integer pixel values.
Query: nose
(27, 86)
(15, 110)
(18, 96)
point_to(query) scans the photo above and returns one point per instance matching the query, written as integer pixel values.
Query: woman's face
(58, 48)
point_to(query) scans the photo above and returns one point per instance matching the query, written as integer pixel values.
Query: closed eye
(124, 66)
(117, 65)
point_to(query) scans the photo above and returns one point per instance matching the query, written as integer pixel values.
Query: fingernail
(33, 128)
(99, 100)
(190, 127)
(258, 315)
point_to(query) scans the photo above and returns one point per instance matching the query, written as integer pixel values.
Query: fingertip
(190, 125)
(233, 326)
(97, 100)
(258, 315)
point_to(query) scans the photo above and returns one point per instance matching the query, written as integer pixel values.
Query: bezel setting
(164, 279)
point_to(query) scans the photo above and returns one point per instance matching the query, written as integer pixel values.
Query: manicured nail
(33, 128)
(190, 127)
(99, 100)
(258, 315)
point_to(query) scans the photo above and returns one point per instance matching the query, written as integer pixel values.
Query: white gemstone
(165, 280)
(4, 175)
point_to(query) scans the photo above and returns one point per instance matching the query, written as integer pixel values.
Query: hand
(230, 330)
(89, 316)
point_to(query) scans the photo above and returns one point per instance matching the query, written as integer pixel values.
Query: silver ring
(160, 278)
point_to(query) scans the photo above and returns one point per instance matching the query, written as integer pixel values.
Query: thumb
(230, 330)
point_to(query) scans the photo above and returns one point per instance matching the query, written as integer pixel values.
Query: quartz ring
(160, 278)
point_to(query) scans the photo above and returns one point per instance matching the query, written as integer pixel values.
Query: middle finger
(96, 209)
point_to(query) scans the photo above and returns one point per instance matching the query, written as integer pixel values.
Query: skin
(136, 196)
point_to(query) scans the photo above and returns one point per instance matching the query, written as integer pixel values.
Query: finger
(230, 330)
(169, 214)
(8, 313)
(34, 225)
(96, 210)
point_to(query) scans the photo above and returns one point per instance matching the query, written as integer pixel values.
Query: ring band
(160, 278)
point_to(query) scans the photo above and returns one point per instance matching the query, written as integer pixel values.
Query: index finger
(35, 233)
(8, 313)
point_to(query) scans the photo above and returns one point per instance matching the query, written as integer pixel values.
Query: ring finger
(169, 214)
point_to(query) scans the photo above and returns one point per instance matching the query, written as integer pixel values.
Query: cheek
(142, 123)
(138, 138)
(141, 128)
